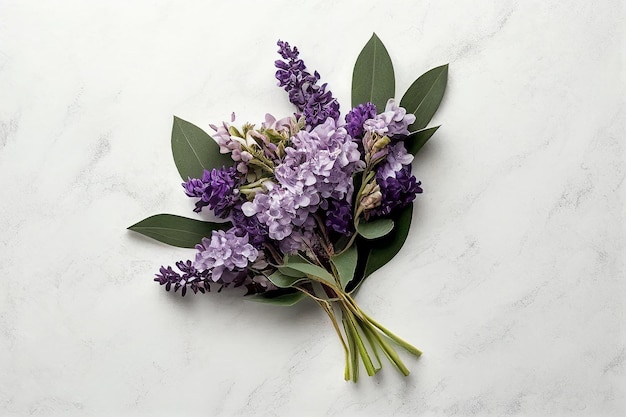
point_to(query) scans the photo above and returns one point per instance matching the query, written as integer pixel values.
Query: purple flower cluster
(339, 216)
(190, 277)
(357, 117)
(311, 99)
(216, 189)
(397, 186)
(226, 255)
(292, 176)
(316, 167)
(397, 192)
(393, 121)
(200, 280)
(256, 231)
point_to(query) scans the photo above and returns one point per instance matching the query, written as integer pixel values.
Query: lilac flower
(331, 156)
(226, 255)
(195, 279)
(393, 121)
(313, 100)
(357, 116)
(397, 157)
(234, 145)
(275, 209)
(257, 232)
(217, 189)
(339, 216)
(200, 281)
(302, 238)
(397, 191)
(319, 165)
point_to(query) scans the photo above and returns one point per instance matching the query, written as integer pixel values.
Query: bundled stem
(356, 324)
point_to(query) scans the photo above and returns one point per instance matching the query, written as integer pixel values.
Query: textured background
(512, 280)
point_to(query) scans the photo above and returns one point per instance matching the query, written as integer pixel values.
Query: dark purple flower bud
(357, 116)
(396, 192)
(311, 99)
(257, 232)
(191, 277)
(339, 216)
(216, 189)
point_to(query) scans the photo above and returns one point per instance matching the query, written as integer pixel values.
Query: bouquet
(310, 204)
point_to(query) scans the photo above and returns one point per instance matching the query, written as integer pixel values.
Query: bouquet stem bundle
(311, 204)
(363, 336)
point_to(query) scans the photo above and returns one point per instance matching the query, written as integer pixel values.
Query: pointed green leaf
(424, 96)
(373, 79)
(194, 150)
(375, 229)
(291, 272)
(284, 281)
(416, 140)
(345, 263)
(300, 264)
(391, 244)
(176, 230)
(279, 300)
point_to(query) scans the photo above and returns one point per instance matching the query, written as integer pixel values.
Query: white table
(512, 280)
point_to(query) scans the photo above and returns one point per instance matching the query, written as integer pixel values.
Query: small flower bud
(371, 196)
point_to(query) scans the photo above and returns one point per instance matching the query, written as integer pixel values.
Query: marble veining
(512, 280)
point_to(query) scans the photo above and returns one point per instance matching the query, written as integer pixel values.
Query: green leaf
(391, 244)
(291, 272)
(373, 79)
(424, 96)
(375, 229)
(300, 264)
(194, 150)
(284, 281)
(279, 300)
(176, 230)
(416, 140)
(345, 263)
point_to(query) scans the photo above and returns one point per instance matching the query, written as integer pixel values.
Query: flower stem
(354, 333)
(329, 310)
(357, 324)
(410, 348)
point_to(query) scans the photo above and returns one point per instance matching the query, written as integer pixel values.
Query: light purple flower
(225, 254)
(397, 157)
(393, 121)
(317, 166)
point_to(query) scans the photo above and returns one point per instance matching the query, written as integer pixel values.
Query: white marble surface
(512, 280)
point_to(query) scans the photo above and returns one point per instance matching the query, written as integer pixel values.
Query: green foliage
(416, 140)
(386, 248)
(373, 79)
(285, 300)
(282, 280)
(302, 265)
(194, 150)
(176, 230)
(375, 229)
(424, 96)
(345, 264)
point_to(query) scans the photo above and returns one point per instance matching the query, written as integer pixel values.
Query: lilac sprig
(396, 192)
(216, 189)
(311, 99)
(191, 277)
(339, 216)
(357, 117)
(226, 255)
(318, 166)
